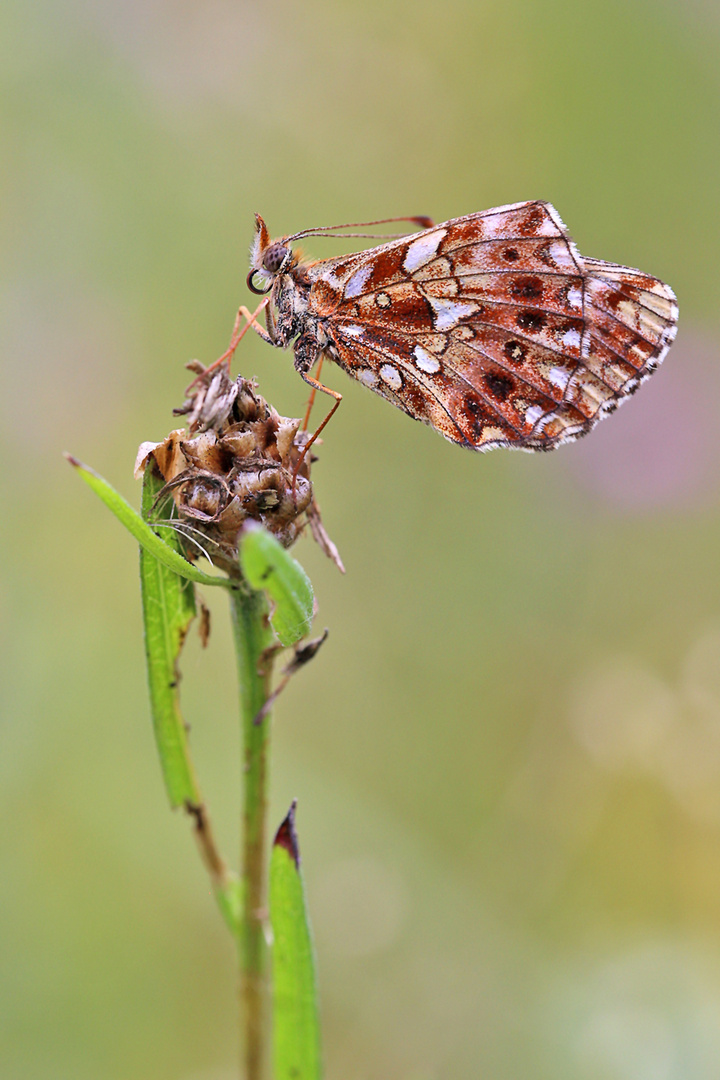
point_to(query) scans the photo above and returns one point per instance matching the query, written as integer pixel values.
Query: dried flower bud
(238, 459)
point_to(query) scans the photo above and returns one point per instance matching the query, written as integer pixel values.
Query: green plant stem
(253, 637)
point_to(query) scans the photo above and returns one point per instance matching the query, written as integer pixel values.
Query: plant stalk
(253, 637)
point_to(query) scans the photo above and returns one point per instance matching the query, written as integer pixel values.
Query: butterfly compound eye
(274, 257)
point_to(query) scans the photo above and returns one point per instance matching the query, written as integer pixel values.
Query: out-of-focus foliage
(507, 755)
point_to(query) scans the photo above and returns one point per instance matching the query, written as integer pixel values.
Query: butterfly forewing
(493, 329)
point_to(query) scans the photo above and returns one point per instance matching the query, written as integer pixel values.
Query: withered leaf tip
(286, 835)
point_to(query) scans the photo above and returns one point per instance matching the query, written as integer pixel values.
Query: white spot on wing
(559, 377)
(571, 338)
(358, 281)
(351, 329)
(391, 376)
(534, 414)
(574, 297)
(331, 279)
(425, 361)
(368, 377)
(448, 313)
(422, 250)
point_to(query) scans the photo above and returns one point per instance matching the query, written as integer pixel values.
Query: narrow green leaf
(267, 565)
(296, 1026)
(168, 609)
(168, 555)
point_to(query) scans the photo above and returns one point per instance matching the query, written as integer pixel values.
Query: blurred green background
(507, 756)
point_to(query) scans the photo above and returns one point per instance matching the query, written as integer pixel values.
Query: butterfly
(491, 328)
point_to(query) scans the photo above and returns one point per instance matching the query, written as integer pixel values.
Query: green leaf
(168, 603)
(296, 1027)
(167, 554)
(267, 565)
(230, 901)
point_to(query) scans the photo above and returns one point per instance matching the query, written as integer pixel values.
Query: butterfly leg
(237, 336)
(316, 385)
(311, 399)
(250, 318)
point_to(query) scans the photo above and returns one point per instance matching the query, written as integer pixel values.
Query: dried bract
(237, 460)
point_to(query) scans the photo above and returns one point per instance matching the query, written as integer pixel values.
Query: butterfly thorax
(289, 301)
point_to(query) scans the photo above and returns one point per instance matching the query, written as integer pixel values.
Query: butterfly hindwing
(493, 329)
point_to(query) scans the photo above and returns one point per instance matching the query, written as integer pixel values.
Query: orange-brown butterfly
(491, 328)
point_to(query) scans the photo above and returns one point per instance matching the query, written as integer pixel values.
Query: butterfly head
(268, 259)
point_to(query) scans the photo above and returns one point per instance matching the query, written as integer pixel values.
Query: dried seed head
(236, 461)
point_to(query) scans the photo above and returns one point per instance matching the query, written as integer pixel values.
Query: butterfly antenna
(318, 230)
